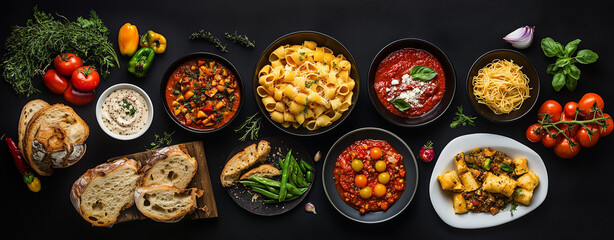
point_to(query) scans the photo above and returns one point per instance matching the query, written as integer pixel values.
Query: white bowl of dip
(124, 111)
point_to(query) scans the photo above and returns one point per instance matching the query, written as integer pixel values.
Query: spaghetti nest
(502, 86)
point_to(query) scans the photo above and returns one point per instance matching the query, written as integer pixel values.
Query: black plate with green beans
(276, 195)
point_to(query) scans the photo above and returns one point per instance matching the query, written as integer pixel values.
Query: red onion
(521, 38)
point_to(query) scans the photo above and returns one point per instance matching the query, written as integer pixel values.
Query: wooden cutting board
(202, 180)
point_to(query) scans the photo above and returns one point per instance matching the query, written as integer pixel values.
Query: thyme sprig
(202, 34)
(251, 126)
(161, 141)
(242, 40)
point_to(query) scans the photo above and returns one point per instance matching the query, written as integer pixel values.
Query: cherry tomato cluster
(571, 127)
(70, 78)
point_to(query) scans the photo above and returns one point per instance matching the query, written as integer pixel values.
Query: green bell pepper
(141, 62)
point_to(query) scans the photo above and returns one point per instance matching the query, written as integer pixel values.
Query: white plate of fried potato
(443, 202)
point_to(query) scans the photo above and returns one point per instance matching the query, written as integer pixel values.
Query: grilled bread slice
(252, 154)
(54, 138)
(264, 170)
(164, 203)
(104, 191)
(170, 166)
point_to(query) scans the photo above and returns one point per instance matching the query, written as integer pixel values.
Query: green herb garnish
(566, 73)
(251, 126)
(161, 141)
(422, 73)
(30, 49)
(513, 208)
(202, 34)
(309, 83)
(506, 167)
(129, 107)
(461, 119)
(400, 104)
(242, 40)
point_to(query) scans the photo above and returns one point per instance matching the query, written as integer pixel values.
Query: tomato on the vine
(67, 63)
(551, 108)
(588, 102)
(569, 131)
(55, 82)
(549, 141)
(606, 130)
(570, 109)
(588, 138)
(535, 132)
(567, 149)
(85, 78)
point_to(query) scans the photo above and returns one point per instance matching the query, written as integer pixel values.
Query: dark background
(577, 204)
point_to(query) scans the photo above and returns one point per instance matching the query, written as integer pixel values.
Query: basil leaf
(506, 167)
(558, 81)
(572, 71)
(551, 48)
(552, 69)
(586, 56)
(400, 104)
(562, 62)
(422, 73)
(571, 83)
(571, 47)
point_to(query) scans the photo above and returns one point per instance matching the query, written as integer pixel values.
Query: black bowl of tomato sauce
(202, 92)
(406, 101)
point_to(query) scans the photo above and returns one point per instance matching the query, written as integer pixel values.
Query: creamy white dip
(125, 112)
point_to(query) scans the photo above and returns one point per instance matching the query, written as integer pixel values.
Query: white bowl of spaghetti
(502, 85)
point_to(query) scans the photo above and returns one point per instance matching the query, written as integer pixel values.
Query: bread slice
(104, 191)
(252, 154)
(54, 138)
(27, 112)
(264, 170)
(164, 203)
(170, 166)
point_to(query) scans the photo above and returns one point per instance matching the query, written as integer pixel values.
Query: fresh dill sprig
(242, 40)
(161, 141)
(202, 34)
(251, 126)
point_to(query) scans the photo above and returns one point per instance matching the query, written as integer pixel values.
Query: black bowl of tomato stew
(411, 82)
(202, 92)
(370, 175)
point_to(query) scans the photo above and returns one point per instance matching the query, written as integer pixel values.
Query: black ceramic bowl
(448, 95)
(527, 68)
(189, 57)
(411, 175)
(297, 38)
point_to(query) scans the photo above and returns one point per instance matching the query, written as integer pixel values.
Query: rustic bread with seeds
(54, 138)
(170, 166)
(165, 203)
(252, 154)
(104, 191)
(27, 112)
(264, 170)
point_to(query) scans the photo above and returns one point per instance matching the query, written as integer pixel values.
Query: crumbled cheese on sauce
(411, 95)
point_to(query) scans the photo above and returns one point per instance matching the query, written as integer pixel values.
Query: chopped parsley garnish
(129, 108)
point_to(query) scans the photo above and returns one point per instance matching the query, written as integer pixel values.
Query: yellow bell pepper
(153, 40)
(128, 39)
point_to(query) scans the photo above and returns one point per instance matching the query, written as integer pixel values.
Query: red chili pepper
(28, 177)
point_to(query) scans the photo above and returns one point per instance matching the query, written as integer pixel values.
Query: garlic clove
(309, 207)
(521, 38)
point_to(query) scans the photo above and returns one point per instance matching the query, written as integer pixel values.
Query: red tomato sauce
(399, 63)
(203, 94)
(344, 175)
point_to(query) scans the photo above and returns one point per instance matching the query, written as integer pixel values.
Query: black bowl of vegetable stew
(290, 121)
(202, 92)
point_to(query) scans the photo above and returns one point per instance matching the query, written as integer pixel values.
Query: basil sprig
(566, 73)
(422, 73)
(400, 104)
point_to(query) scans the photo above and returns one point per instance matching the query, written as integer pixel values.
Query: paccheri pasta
(305, 85)
(501, 85)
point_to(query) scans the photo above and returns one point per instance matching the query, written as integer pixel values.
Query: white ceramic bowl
(106, 93)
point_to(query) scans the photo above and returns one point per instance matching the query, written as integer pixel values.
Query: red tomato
(66, 63)
(563, 149)
(587, 139)
(375, 153)
(76, 97)
(85, 78)
(604, 131)
(55, 82)
(570, 110)
(535, 132)
(549, 141)
(588, 102)
(360, 180)
(551, 108)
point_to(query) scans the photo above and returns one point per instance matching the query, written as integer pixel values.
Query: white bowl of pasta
(306, 83)
(502, 69)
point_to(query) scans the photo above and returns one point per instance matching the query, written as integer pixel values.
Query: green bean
(272, 189)
(252, 183)
(284, 177)
(273, 183)
(309, 176)
(307, 165)
(265, 193)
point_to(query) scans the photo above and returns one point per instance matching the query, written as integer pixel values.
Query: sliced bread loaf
(252, 154)
(264, 170)
(164, 203)
(103, 192)
(170, 166)
(27, 112)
